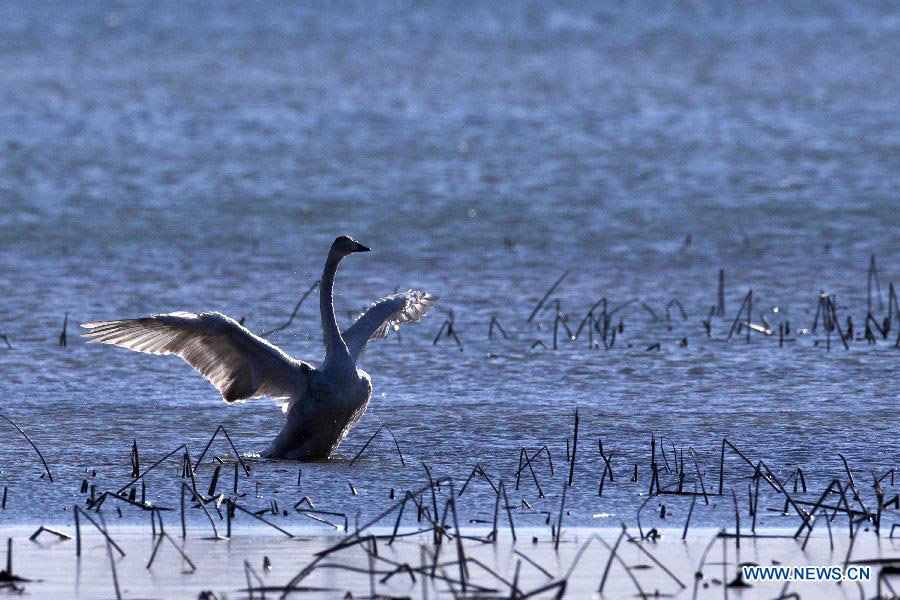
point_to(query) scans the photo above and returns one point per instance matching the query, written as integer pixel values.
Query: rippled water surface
(166, 156)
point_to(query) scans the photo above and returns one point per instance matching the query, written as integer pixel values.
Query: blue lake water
(202, 156)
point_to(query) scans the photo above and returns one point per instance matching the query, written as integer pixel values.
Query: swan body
(321, 404)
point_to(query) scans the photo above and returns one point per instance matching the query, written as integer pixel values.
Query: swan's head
(346, 245)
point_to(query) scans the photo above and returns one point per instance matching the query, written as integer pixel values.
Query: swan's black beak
(360, 248)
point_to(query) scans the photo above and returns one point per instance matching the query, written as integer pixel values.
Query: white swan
(322, 404)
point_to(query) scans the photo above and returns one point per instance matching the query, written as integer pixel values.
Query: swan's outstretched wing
(239, 364)
(386, 314)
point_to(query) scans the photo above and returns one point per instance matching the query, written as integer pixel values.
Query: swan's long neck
(335, 347)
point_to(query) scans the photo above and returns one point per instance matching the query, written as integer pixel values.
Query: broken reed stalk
(652, 312)
(612, 554)
(237, 454)
(756, 477)
(562, 507)
(514, 586)
(258, 517)
(534, 564)
(578, 556)
(589, 318)
(135, 459)
(406, 497)
(451, 332)
(606, 458)
(591, 323)
(84, 513)
(156, 464)
(77, 532)
(43, 529)
(183, 525)
(397, 445)
(437, 531)
(366, 445)
(440, 332)
(734, 325)
(112, 565)
(574, 449)
(468, 479)
(547, 295)
(675, 302)
(819, 504)
(699, 476)
(164, 535)
(879, 497)
(460, 552)
(662, 449)
(834, 319)
(493, 534)
(533, 476)
(559, 586)
(870, 276)
(883, 331)
(818, 311)
(496, 322)
(200, 500)
(749, 313)
(856, 494)
(656, 561)
(25, 435)
(512, 527)
(637, 585)
(698, 576)
(687, 521)
(720, 304)
(654, 479)
(9, 560)
(640, 508)
(294, 313)
(606, 470)
(214, 482)
(522, 465)
(63, 342)
(354, 537)
(843, 492)
(768, 476)
(893, 304)
(97, 503)
(248, 570)
(556, 322)
(737, 519)
(564, 319)
(311, 513)
(478, 469)
(707, 323)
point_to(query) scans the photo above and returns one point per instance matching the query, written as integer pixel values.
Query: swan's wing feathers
(409, 308)
(239, 364)
(386, 314)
